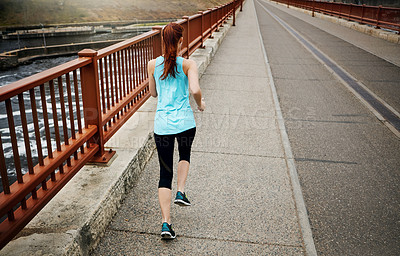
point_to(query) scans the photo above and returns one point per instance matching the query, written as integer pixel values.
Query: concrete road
(347, 160)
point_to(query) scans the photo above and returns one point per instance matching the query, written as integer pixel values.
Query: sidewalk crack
(210, 238)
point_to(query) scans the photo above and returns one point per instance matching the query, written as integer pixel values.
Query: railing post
(378, 18)
(187, 35)
(234, 13)
(313, 8)
(211, 22)
(202, 28)
(351, 6)
(91, 104)
(362, 13)
(157, 44)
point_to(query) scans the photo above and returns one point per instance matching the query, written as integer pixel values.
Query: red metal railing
(73, 110)
(378, 16)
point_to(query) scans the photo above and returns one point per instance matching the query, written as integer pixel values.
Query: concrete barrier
(73, 222)
(14, 58)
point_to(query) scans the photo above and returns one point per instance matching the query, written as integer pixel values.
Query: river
(15, 74)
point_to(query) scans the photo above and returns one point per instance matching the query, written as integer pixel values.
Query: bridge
(296, 154)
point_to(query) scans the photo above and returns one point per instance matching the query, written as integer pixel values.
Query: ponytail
(172, 32)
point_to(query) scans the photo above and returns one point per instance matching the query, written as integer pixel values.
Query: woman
(170, 78)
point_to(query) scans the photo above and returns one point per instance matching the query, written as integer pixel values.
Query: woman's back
(174, 113)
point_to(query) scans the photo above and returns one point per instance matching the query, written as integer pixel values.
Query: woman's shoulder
(187, 64)
(151, 64)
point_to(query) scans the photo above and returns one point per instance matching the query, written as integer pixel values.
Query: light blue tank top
(174, 114)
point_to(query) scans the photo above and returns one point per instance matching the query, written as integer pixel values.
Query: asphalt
(347, 160)
(243, 201)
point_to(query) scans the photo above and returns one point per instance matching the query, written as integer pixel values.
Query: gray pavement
(347, 160)
(239, 184)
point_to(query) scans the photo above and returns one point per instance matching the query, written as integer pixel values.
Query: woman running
(170, 78)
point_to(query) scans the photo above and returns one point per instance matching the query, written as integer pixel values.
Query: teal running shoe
(181, 199)
(166, 232)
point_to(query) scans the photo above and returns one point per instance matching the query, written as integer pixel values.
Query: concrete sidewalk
(239, 181)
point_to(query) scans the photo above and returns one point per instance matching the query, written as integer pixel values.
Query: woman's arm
(192, 73)
(152, 83)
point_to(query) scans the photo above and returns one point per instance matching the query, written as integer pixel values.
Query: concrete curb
(379, 33)
(301, 209)
(73, 222)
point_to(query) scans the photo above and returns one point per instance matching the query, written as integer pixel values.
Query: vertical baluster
(26, 132)
(117, 82)
(47, 130)
(130, 72)
(55, 118)
(103, 101)
(46, 121)
(3, 170)
(119, 74)
(34, 194)
(136, 61)
(142, 60)
(137, 64)
(77, 103)
(147, 56)
(63, 113)
(36, 126)
(10, 215)
(70, 107)
(149, 47)
(14, 141)
(123, 71)
(107, 84)
(64, 122)
(130, 68)
(44, 185)
(71, 111)
(102, 74)
(126, 52)
(111, 85)
(111, 80)
(115, 78)
(15, 147)
(139, 81)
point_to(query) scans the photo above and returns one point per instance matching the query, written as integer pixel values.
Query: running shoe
(166, 231)
(181, 199)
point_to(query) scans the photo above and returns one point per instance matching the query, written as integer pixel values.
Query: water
(17, 74)
(23, 71)
(9, 45)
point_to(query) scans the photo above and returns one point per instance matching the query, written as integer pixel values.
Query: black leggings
(165, 149)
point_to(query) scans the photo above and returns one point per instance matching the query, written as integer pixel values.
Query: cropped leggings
(165, 150)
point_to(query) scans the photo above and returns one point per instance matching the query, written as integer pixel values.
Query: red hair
(172, 32)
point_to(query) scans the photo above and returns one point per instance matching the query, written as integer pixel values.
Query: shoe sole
(181, 202)
(167, 235)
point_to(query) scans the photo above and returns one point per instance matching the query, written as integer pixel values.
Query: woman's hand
(202, 107)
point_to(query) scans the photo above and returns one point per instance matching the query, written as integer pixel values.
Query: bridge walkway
(239, 184)
(243, 181)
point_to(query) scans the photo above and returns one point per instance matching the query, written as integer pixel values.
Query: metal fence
(381, 17)
(64, 116)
